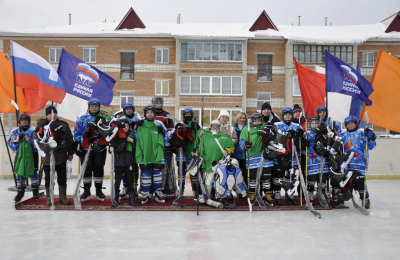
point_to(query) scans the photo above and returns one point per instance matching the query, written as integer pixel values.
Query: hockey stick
(361, 209)
(366, 165)
(303, 186)
(52, 169)
(113, 202)
(178, 199)
(248, 166)
(77, 201)
(52, 173)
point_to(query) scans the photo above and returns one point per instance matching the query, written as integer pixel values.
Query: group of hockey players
(255, 158)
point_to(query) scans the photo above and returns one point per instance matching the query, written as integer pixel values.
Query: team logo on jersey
(356, 136)
(348, 144)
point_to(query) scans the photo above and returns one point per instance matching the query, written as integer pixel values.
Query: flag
(312, 88)
(342, 78)
(7, 88)
(338, 104)
(72, 107)
(37, 76)
(384, 111)
(357, 104)
(85, 81)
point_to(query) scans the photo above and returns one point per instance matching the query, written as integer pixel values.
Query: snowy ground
(340, 234)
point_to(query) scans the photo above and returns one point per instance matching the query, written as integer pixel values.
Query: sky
(20, 14)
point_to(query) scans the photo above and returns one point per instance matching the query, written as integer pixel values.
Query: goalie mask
(215, 127)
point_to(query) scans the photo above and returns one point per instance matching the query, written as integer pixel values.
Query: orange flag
(385, 98)
(7, 88)
(312, 88)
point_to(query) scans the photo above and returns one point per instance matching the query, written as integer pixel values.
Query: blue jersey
(281, 126)
(137, 117)
(356, 142)
(313, 159)
(29, 132)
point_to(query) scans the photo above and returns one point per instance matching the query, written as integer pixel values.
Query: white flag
(72, 107)
(338, 104)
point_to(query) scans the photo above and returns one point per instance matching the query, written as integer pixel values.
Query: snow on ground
(340, 234)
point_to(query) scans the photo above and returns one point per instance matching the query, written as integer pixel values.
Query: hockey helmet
(147, 108)
(126, 106)
(158, 100)
(25, 117)
(256, 116)
(212, 129)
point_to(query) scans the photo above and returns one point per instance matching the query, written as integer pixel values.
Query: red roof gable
(263, 22)
(392, 23)
(131, 21)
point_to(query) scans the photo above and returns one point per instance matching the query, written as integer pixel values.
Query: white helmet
(215, 131)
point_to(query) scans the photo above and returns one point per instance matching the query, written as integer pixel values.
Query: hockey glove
(56, 127)
(321, 129)
(140, 122)
(263, 132)
(92, 125)
(247, 145)
(300, 133)
(132, 124)
(269, 125)
(195, 126)
(160, 129)
(369, 134)
(290, 134)
(305, 142)
(178, 125)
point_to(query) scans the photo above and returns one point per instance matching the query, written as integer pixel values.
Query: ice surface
(340, 234)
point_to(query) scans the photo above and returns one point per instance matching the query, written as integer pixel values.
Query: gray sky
(19, 14)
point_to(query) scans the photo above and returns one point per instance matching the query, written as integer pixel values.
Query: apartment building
(208, 66)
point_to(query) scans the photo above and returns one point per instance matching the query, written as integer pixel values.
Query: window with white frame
(215, 51)
(264, 72)
(207, 115)
(162, 55)
(162, 87)
(368, 59)
(296, 87)
(89, 55)
(211, 85)
(262, 98)
(55, 54)
(125, 97)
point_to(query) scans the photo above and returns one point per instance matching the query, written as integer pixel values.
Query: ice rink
(340, 234)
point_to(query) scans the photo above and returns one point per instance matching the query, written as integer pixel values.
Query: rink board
(186, 204)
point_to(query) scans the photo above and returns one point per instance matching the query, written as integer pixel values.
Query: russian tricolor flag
(32, 72)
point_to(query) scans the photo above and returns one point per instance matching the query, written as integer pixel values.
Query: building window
(126, 97)
(89, 55)
(367, 59)
(215, 51)
(210, 115)
(211, 85)
(127, 65)
(54, 54)
(296, 87)
(316, 53)
(264, 72)
(162, 87)
(262, 98)
(162, 55)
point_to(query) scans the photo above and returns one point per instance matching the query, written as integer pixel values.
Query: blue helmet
(322, 108)
(126, 106)
(287, 110)
(94, 101)
(188, 110)
(350, 119)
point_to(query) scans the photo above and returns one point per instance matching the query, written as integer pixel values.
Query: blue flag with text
(83, 80)
(342, 78)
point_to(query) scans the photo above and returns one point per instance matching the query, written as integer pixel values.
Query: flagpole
(8, 151)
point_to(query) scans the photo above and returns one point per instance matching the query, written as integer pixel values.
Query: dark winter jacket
(272, 117)
(61, 156)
